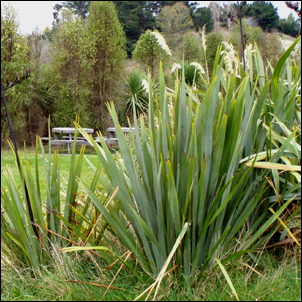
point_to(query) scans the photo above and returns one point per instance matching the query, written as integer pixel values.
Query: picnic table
(68, 139)
(111, 140)
(68, 130)
(111, 131)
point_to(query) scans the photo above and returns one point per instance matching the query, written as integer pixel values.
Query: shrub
(190, 48)
(58, 215)
(187, 182)
(134, 91)
(252, 34)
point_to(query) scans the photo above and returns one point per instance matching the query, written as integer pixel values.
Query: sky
(39, 14)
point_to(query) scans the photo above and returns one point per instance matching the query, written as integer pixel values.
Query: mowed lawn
(8, 159)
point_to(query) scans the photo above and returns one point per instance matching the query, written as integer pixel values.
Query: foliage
(14, 62)
(78, 7)
(174, 18)
(193, 75)
(203, 16)
(108, 52)
(184, 184)
(229, 13)
(213, 40)
(70, 72)
(47, 34)
(159, 5)
(252, 34)
(216, 10)
(289, 26)
(190, 48)
(183, 187)
(136, 95)
(148, 51)
(59, 214)
(36, 90)
(135, 17)
(33, 108)
(271, 48)
(270, 45)
(13, 46)
(265, 13)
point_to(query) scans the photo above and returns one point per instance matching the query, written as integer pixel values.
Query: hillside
(174, 40)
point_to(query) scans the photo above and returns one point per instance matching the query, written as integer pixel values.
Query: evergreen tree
(108, 48)
(136, 17)
(203, 16)
(265, 13)
(78, 7)
(70, 71)
(289, 26)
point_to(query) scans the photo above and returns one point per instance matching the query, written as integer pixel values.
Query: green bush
(190, 48)
(150, 49)
(192, 75)
(58, 214)
(252, 34)
(134, 91)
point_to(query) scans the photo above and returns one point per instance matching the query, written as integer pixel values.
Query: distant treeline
(138, 16)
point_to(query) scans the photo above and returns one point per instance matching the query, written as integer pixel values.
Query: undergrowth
(273, 279)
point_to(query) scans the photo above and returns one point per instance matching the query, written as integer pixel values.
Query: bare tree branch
(17, 80)
(294, 6)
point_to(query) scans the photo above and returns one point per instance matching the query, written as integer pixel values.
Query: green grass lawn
(8, 158)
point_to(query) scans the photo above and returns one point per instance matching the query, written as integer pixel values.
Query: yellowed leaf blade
(266, 165)
(227, 277)
(285, 226)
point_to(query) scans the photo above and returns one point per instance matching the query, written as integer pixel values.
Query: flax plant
(274, 100)
(59, 219)
(187, 177)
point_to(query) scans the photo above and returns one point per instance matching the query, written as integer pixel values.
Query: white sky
(40, 13)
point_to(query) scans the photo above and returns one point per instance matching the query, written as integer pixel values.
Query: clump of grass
(277, 279)
(273, 279)
(66, 278)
